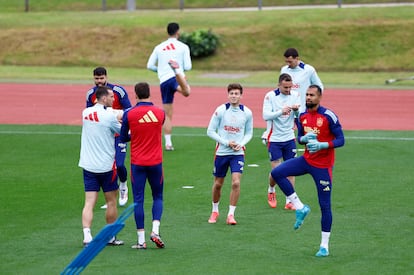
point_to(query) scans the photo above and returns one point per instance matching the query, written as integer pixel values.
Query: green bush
(202, 43)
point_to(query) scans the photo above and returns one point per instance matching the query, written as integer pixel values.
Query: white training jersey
(171, 49)
(282, 125)
(99, 126)
(303, 76)
(230, 123)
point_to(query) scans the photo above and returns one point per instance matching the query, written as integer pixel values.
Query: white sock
(325, 239)
(295, 201)
(141, 236)
(87, 235)
(168, 140)
(156, 227)
(232, 208)
(287, 200)
(215, 207)
(122, 185)
(271, 189)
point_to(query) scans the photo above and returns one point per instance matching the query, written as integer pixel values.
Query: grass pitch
(42, 199)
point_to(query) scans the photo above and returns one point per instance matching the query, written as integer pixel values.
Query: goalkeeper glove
(314, 146)
(308, 137)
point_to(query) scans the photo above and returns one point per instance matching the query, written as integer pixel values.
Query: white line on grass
(193, 135)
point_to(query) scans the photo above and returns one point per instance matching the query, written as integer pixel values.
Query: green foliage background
(202, 43)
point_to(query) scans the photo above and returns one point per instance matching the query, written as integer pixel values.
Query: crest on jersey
(319, 122)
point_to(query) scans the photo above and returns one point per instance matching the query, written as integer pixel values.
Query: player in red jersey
(144, 121)
(320, 130)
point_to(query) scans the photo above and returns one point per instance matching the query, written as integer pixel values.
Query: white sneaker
(169, 148)
(123, 196)
(264, 137)
(104, 206)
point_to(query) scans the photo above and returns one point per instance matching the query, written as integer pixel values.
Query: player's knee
(235, 184)
(186, 91)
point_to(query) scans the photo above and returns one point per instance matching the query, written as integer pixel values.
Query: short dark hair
(172, 28)
(99, 71)
(235, 86)
(142, 90)
(101, 91)
(285, 77)
(291, 52)
(316, 87)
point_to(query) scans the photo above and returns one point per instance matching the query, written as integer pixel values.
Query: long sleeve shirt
(97, 154)
(303, 76)
(325, 124)
(171, 49)
(230, 123)
(282, 124)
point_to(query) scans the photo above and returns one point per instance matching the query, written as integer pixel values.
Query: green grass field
(42, 199)
(42, 189)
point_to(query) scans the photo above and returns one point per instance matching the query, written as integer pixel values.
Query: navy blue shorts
(95, 181)
(285, 150)
(223, 163)
(168, 89)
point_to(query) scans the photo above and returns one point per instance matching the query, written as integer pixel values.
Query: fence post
(259, 3)
(26, 5)
(131, 5)
(103, 5)
(339, 3)
(181, 5)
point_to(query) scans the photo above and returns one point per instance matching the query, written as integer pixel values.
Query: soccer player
(97, 158)
(171, 53)
(121, 102)
(231, 126)
(303, 75)
(280, 107)
(319, 129)
(144, 122)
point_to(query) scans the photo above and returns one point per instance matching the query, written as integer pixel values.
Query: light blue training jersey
(230, 123)
(282, 125)
(99, 125)
(303, 76)
(171, 49)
